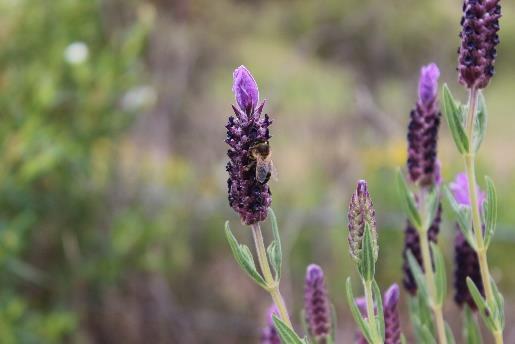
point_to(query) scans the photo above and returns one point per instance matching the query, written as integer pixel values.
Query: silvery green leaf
(243, 257)
(471, 332)
(408, 201)
(366, 265)
(403, 339)
(499, 300)
(453, 114)
(449, 335)
(379, 305)
(490, 210)
(418, 275)
(305, 327)
(431, 204)
(484, 309)
(463, 216)
(287, 335)
(480, 123)
(421, 316)
(356, 314)
(440, 276)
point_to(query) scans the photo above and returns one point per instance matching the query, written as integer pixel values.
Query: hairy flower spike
(247, 130)
(466, 262)
(361, 211)
(479, 39)
(316, 305)
(423, 129)
(269, 334)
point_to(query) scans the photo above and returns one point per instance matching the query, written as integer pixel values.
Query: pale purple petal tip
(361, 302)
(460, 189)
(245, 89)
(428, 83)
(391, 297)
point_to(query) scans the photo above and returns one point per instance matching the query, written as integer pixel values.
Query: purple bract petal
(460, 189)
(428, 84)
(245, 89)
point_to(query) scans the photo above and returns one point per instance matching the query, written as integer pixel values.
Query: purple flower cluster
(316, 305)
(479, 39)
(423, 129)
(269, 334)
(466, 263)
(248, 196)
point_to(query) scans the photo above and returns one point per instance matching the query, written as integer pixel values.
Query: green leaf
(403, 339)
(480, 123)
(421, 318)
(499, 300)
(367, 262)
(484, 309)
(490, 210)
(432, 202)
(408, 201)
(275, 254)
(471, 332)
(454, 116)
(418, 275)
(449, 335)
(243, 257)
(356, 314)
(287, 335)
(379, 305)
(440, 276)
(463, 216)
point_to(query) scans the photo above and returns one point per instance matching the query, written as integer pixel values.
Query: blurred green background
(112, 179)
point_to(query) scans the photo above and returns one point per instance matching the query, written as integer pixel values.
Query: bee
(261, 156)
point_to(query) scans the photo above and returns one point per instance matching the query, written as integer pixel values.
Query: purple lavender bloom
(423, 129)
(316, 305)
(479, 39)
(361, 211)
(247, 130)
(269, 334)
(392, 324)
(466, 262)
(412, 243)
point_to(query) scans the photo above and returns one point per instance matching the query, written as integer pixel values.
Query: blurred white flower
(139, 97)
(76, 53)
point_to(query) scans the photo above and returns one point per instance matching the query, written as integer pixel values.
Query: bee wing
(273, 171)
(263, 170)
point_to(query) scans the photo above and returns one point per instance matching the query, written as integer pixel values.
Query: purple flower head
(245, 89)
(412, 243)
(248, 138)
(479, 39)
(423, 129)
(460, 189)
(316, 304)
(269, 334)
(361, 212)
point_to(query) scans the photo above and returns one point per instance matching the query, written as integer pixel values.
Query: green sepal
(471, 332)
(440, 275)
(463, 216)
(408, 201)
(356, 314)
(482, 306)
(417, 273)
(287, 335)
(454, 115)
(274, 251)
(243, 257)
(490, 211)
(480, 122)
(449, 335)
(379, 305)
(367, 263)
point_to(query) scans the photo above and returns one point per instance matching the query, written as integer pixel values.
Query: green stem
(470, 169)
(367, 286)
(272, 285)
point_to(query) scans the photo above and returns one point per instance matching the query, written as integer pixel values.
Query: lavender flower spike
(316, 305)
(466, 263)
(361, 211)
(269, 334)
(479, 39)
(423, 129)
(247, 134)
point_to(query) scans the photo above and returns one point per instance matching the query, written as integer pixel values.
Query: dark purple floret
(412, 243)
(269, 334)
(247, 196)
(479, 40)
(466, 262)
(316, 305)
(423, 129)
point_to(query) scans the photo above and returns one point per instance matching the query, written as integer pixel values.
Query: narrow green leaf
(408, 201)
(356, 314)
(403, 339)
(432, 203)
(481, 122)
(367, 262)
(449, 335)
(499, 300)
(243, 257)
(379, 305)
(490, 210)
(440, 275)
(463, 216)
(419, 276)
(471, 332)
(455, 120)
(287, 335)
(484, 309)
(275, 255)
